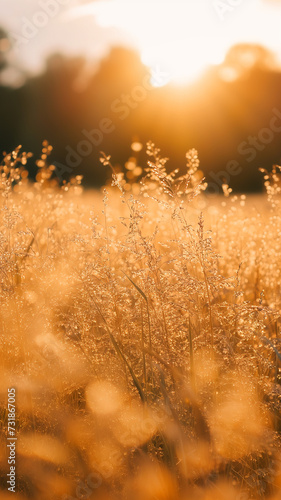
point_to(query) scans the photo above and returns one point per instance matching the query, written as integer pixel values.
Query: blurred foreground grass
(142, 334)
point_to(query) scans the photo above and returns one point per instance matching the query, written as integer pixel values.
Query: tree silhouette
(5, 45)
(247, 56)
(219, 117)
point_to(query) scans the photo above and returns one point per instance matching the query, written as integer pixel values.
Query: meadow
(140, 328)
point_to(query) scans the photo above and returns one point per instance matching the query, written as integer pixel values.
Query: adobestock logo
(123, 105)
(85, 489)
(223, 7)
(31, 27)
(84, 148)
(249, 148)
(264, 137)
(122, 108)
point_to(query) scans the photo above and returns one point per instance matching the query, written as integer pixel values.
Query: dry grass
(142, 334)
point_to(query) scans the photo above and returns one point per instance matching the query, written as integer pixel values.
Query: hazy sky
(80, 35)
(163, 31)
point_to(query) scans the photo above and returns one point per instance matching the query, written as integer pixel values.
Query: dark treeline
(234, 123)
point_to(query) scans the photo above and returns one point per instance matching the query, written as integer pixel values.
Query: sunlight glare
(180, 39)
(173, 36)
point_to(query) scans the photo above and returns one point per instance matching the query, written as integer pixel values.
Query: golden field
(140, 327)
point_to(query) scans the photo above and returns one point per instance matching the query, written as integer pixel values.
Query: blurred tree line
(232, 115)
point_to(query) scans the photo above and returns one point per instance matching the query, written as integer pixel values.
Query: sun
(179, 39)
(174, 37)
(183, 63)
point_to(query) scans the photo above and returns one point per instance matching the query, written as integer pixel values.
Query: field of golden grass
(140, 328)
